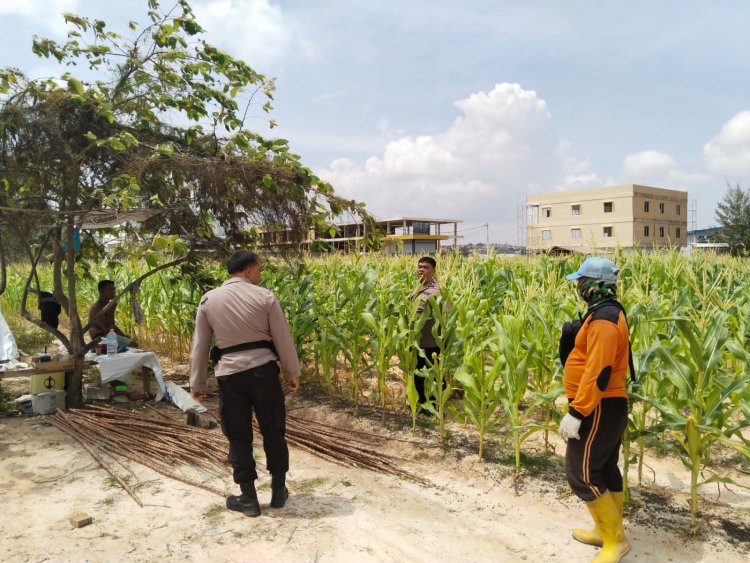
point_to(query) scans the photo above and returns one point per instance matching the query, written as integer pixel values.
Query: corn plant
(438, 377)
(700, 395)
(545, 318)
(407, 337)
(514, 352)
(644, 341)
(295, 291)
(479, 378)
(357, 287)
(326, 343)
(382, 320)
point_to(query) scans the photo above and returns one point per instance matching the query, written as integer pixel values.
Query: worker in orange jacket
(594, 379)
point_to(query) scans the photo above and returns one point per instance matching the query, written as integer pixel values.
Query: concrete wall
(666, 217)
(607, 217)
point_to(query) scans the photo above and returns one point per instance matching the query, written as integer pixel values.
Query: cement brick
(80, 519)
(200, 419)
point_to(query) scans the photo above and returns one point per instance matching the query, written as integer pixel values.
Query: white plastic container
(48, 402)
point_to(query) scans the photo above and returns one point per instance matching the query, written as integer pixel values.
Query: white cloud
(256, 31)
(45, 12)
(500, 148)
(728, 153)
(648, 164)
(659, 169)
(577, 171)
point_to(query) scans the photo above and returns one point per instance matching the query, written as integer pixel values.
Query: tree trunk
(75, 386)
(77, 345)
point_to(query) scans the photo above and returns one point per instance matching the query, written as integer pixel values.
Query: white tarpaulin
(8, 347)
(122, 365)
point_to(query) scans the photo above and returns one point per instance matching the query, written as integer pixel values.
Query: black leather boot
(247, 502)
(279, 492)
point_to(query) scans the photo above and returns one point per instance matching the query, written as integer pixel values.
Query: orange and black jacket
(597, 367)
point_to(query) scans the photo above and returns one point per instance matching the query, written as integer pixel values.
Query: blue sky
(461, 109)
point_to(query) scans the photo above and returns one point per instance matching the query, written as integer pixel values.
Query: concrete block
(200, 419)
(99, 392)
(80, 519)
(48, 402)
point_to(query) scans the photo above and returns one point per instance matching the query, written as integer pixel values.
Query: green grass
(214, 511)
(30, 339)
(111, 482)
(306, 486)
(6, 400)
(533, 463)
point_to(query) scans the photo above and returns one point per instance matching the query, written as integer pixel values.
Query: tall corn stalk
(407, 347)
(514, 352)
(438, 378)
(701, 395)
(479, 378)
(382, 320)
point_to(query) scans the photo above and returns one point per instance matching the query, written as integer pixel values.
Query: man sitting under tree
(102, 323)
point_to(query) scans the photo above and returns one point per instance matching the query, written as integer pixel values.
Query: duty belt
(217, 353)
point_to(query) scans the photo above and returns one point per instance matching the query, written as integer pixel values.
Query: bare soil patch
(468, 511)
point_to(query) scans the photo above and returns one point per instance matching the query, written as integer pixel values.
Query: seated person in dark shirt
(101, 326)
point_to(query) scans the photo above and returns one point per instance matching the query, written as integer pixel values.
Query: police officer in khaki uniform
(251, 334)
(428, 288)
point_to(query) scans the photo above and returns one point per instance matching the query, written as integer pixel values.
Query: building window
(546, 212)
(661, 232)
(575, 209)
(678, 232)
(661, 208)
(608, 206)
(645, 206)
(421, 228)
(679, 209)
(645, 231)
(575, 233)
(546, 234)
(607, 232)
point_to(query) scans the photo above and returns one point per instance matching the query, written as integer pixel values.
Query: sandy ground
(469, 511)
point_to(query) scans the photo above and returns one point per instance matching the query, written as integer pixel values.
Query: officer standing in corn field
(251, 334)
(428, 288)
(594, 377)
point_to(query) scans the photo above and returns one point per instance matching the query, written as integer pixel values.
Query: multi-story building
(408, 235)
(625, 216)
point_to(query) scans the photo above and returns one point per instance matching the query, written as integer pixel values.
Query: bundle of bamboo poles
(164, 445)
(339, 446)
(111, 435)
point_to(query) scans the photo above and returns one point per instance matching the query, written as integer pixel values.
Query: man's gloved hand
(569, 427)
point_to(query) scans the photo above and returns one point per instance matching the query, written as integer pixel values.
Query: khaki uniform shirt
(235, 313)
(423, 293)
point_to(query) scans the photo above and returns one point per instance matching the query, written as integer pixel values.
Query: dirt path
(469, 512)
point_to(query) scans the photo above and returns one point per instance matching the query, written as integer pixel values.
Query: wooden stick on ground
(64, 425)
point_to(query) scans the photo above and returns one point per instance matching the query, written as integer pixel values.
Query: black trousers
(591, 462)
(424, 362)
(240, 394)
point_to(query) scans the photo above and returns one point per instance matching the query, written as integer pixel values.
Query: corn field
(350, 318)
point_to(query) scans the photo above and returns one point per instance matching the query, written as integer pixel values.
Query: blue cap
(597, 268)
